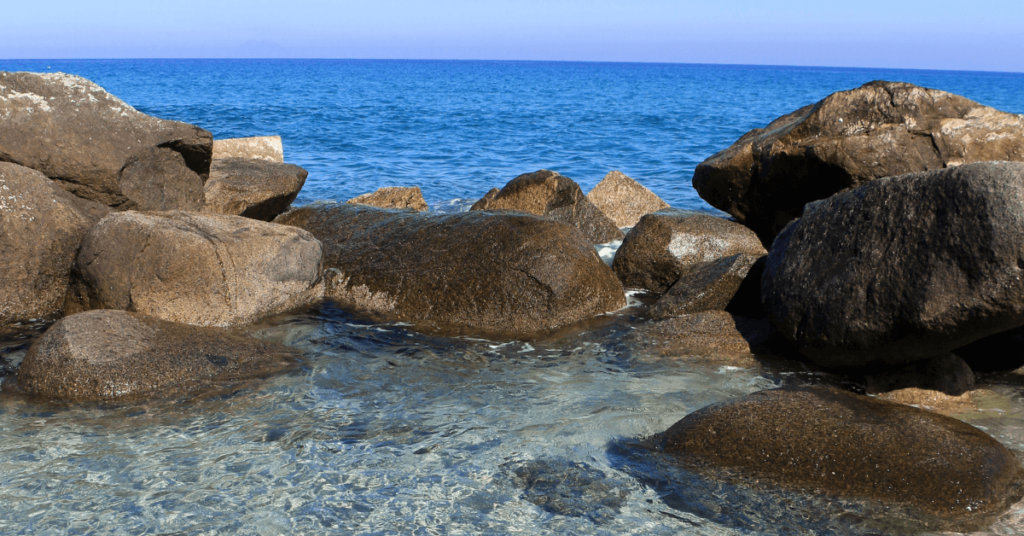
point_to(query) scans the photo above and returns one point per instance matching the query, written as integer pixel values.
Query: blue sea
(387, 431)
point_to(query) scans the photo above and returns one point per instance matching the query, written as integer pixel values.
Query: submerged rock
(707, 286)
(851, 137)
(393, 197)
(115, 355)
(199, 269)
(156, 179)
(79, 135)
(852, 446)
(508, 274)
(267, 148)
(41, 227)
(546, 193)
(252, 188)
(623, 199)
(665, 244)
(902, 268)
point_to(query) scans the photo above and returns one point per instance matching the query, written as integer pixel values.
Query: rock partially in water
(851, 137)
(709, 335)
(1000, 352)
(846, 445)
(665, 244)
(502, 273)
(79, 135)
(546, 193)
(932, 400)
(252, 188)
(946, 374)
(41, 227)
(624, 200)
(119, 356)
(199, 269)
(902, 268)
(156, 179)
(569, 488)
(266, 148)
(707, 286)
(393, 197)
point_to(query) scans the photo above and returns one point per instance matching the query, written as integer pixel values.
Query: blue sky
(936, 34)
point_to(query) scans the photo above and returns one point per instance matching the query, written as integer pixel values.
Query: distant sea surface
(458, 128)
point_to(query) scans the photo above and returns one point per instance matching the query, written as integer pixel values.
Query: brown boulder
(708, 286)
(267, 148)
(41, 227)
(156, 179)
(79, 135)
(252, 188)
(115, 355)
(199, 269)
(393, 197)
(709, 335)
(502, 273)
(546, 193)
(623, 199)
(852, 446)
(851, 137)
(667, 243)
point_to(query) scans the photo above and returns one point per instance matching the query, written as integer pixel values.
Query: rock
(394, 197)
(502, 273)
(932, 400)
(851, 137)
(995, 353)
(41, 226)
(902, 268)
(623, 199)
(852, 446)
(115, 355)
(199, 269)
(747, 300)
(707, 286)
(946, 374)
(709, 335)
(546, 193)
(156, 179)
(253, 188)
(267, 148)
(79, 135)
(667, 243)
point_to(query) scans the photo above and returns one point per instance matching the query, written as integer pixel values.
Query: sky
(985, 35)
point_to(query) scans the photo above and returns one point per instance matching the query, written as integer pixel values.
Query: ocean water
(386, 431)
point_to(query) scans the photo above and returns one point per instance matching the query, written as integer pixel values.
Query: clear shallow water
(385, 431)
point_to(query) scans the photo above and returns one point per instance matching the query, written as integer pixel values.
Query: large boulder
(79, 135)
(546, 193)
(199, 269)
(852, 446)
(708, 286)
(851, 137)
(115, 355)
(902, 268)
(623, 199)
(667, 243)
(501, 273)
(400, 197)
(41, 226)
(157, 179)
(267, 148)
(253, 188)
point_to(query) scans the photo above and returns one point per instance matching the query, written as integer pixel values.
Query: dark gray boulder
(79, 135)
(902, 268)
(851, 137)
(708, 286)
(501, 273)
(252, 188)
(156, 179)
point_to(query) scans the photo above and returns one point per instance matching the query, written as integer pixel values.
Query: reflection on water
(386, 431)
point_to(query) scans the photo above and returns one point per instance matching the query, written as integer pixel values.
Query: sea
(384, 430)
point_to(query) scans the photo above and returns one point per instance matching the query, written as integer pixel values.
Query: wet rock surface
(79, 135)
(199, 269)
(546, 193)
(399, 197)
(252, 188)
(569, 488)
(902, 268)
(708, 286)
(268, 148)
(709, 335)
(119, 356)
(156, 179)
(851, 137)
(668, 243)
(501, 273)
(41, 226)
(848, 445)
(623, 199)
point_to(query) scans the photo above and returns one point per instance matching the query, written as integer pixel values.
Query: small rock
(709, 335)
(707, 286)
(115, 355)
(394, 197)
(946, 374)
(624, 200)
(156, 179)
(252, 188)
(267, 148)
(546, 193)
(932, 400)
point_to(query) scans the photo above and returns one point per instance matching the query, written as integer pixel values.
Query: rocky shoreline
(878, 237)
